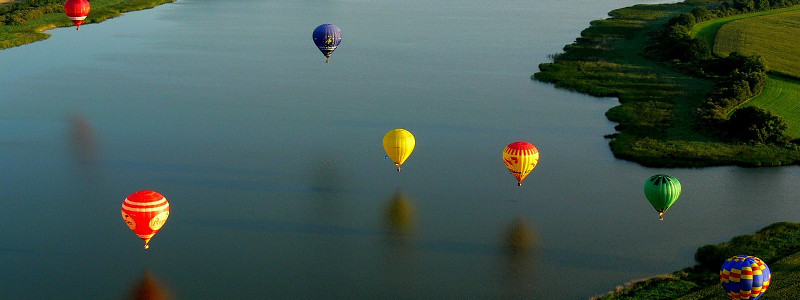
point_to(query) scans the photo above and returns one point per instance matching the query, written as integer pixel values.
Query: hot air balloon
(77, 10)
(398, 143)
(520, 158)
(745, 277)
(145, 212)
(662, 190)
(327, 37)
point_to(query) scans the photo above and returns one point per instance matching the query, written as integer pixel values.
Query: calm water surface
(273, 165)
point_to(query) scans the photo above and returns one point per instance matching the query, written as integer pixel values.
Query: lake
(274, 170)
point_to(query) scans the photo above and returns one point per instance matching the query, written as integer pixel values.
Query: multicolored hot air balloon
(745, 277)
(398, 143)
(520, 158)
(145, 212)
(77, 10)
(662, 190)
(327, 37)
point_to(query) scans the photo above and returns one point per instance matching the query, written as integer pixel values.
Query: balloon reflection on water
(148, 288)
(82, 138)
(400, 215)
(519, 247)
(519, 237)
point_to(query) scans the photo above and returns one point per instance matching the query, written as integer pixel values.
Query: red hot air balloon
(77, 10)
(145, 212)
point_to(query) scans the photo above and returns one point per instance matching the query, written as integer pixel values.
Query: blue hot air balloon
(327, 37)
(745, 277)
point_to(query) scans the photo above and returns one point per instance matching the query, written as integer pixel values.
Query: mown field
(773, 36)
(32, 31)
(782, 96)
(708, 30)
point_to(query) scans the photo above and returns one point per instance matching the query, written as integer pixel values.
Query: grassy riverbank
(777, 244)
(25, 23)
(658, 123)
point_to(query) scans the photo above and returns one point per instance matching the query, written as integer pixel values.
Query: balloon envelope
(745, 277)
(398, 143)
(77, 10)
(145, 212)
(327, 37)
(662, 191)
(520, 158)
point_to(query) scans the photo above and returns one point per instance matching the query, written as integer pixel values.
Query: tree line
(20, 12)
(738, 77)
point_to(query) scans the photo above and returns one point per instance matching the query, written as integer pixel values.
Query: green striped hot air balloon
(662, 190)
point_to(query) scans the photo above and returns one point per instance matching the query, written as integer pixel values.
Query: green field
(708, 30)
(773, 36)
(781, 96)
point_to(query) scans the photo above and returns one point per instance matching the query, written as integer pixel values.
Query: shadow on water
(148, 287)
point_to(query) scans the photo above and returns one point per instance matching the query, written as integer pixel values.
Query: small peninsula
(680, 97)
(24, 21)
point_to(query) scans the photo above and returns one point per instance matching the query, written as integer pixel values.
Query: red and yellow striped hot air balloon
(145, 212)
(520, 158)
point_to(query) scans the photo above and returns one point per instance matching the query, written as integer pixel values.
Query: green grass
(17, 35)
(774, 36)
(708, 30)
(781, 96)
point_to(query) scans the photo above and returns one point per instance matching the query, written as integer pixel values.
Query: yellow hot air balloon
(398, 143)
(520, 158)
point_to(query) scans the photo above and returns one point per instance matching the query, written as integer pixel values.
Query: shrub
(753, 124)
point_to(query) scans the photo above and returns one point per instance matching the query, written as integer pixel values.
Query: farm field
(782, 96)
(708, 30)
(775, 37)
(779, 49)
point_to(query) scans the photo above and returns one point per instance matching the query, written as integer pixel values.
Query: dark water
(273, 165)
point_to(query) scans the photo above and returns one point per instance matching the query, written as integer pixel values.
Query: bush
(702, 14)
(753, 124)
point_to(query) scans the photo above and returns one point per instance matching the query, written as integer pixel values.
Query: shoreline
(26, 23)
(657, 121)
(777, 244)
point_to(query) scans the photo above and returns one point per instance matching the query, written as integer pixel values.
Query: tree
(701, 14)
(685, 19)
(698, 50)
(753, 124)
